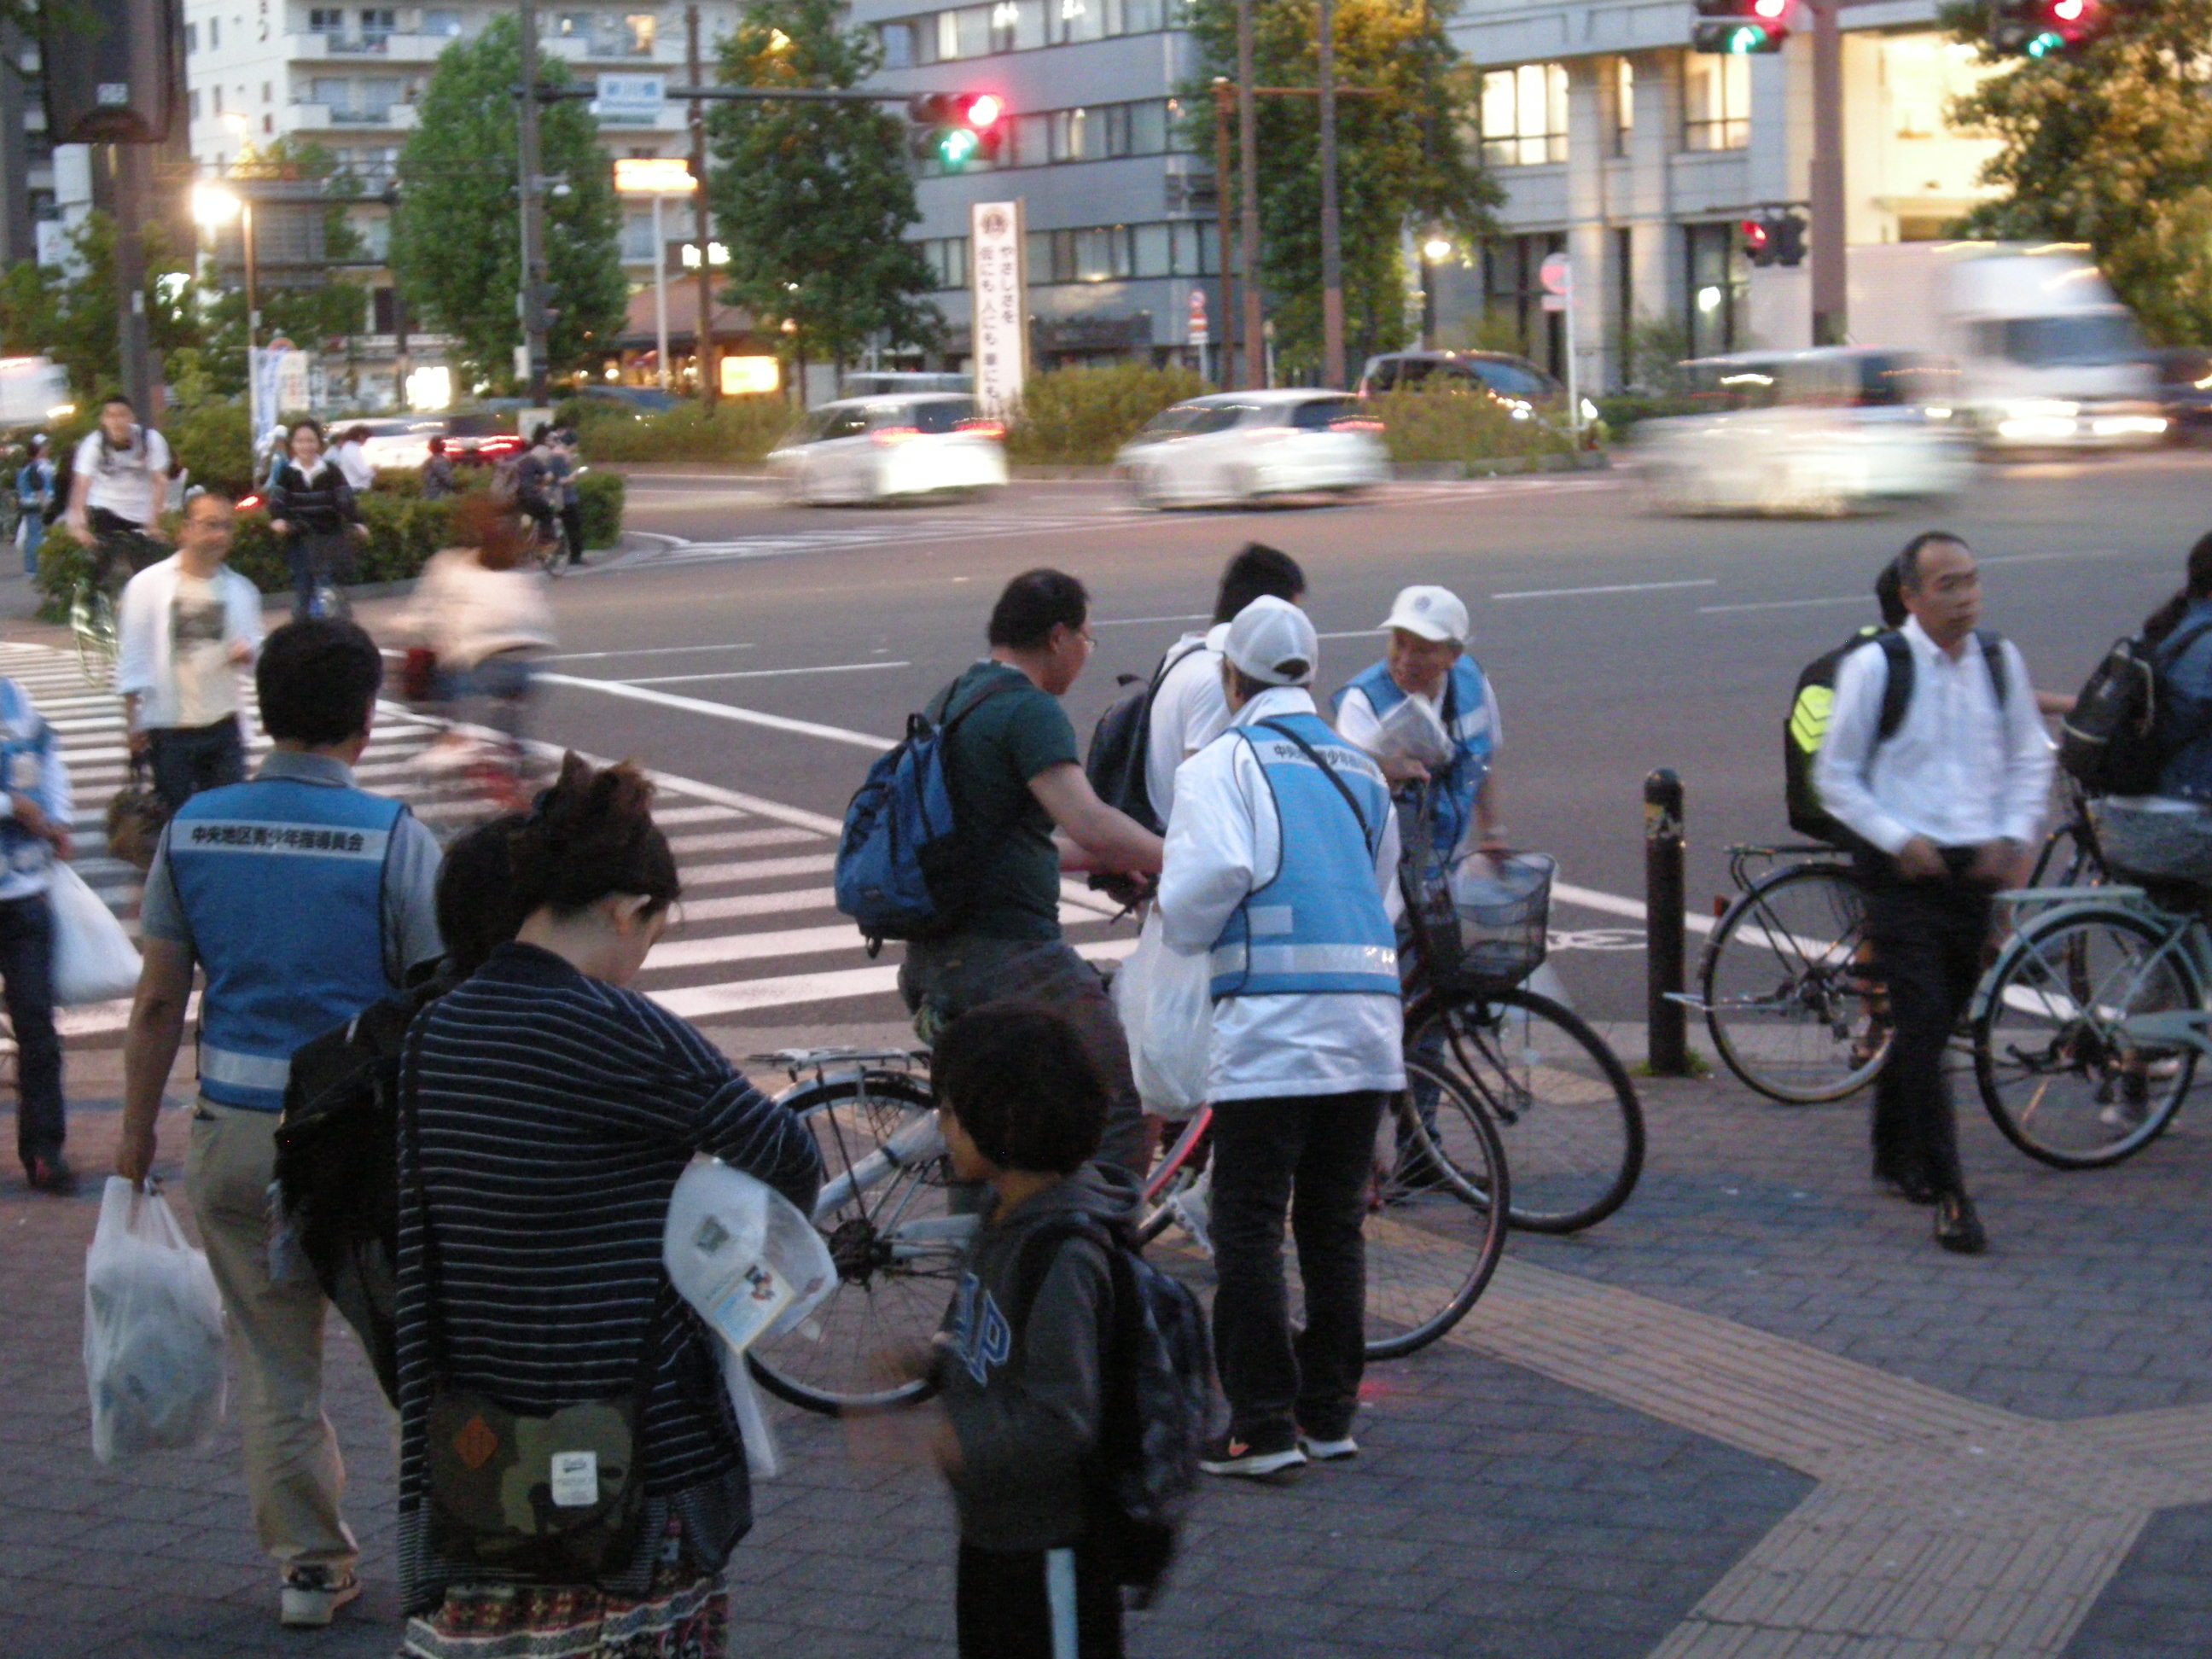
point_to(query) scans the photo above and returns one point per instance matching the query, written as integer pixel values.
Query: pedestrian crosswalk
(756, 931)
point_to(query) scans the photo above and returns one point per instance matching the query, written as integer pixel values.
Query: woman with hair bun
(548, 1110)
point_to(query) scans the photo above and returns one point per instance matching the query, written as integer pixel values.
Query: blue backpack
(903, 865)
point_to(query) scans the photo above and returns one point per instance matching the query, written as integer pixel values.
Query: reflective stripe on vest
(1319, 925)
(1472, 729)
(282, 885)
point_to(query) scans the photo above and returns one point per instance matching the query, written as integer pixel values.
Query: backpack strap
(1366, 835)
(1897, 690)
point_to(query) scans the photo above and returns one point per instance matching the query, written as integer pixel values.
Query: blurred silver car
(874, 449)
(1811, 434)
(1244, 445)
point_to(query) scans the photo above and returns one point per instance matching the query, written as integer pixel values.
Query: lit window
(1524, 116)
(1717, 102)
(1624, 104)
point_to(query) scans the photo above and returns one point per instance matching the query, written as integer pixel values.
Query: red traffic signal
(1757, 242)
(1736, 28)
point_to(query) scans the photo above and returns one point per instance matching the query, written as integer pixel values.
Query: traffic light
(1735, 28)
(2038, 28)
(1773, 238)
(956, 128)
(113, 75)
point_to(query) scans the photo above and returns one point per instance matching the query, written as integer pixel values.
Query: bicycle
(119, 550)
(1563, 1105)
(1438, 1199)
(2087, 1030)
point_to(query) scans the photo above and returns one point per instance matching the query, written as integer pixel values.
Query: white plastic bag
(95, 960)
(1168, 1017)
(742, 1254)
(153, 1330)
(1412, 732)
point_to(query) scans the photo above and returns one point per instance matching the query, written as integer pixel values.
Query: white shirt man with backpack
(1948, 805)
(1308, 1034)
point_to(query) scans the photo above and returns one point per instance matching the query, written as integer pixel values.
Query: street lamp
(1434, 252)
(215, 204)
(658, 176)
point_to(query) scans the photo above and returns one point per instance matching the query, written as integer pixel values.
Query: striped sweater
(555, 1113)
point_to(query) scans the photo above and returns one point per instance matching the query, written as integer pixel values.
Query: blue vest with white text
(1467, 722)
(27, 750)
(282, 883)
(1319, 925)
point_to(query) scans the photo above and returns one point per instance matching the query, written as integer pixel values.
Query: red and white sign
(1557, 274)
(1199, 333)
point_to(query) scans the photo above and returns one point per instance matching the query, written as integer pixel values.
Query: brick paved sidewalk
(1757, 1413)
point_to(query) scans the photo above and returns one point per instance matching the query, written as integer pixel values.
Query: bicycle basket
(1501, 908)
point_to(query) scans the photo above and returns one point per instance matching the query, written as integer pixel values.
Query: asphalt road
(760, 647)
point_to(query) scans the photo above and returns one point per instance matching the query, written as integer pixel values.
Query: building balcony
(321, 48)
(326, 117)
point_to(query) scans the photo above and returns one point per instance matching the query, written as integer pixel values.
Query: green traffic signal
(956, 146)
(2046, 43)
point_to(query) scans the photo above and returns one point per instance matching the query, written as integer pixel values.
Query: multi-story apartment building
(1612, 140)
(349, 77)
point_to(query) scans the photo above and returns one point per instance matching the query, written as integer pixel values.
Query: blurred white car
(396, 442)
(1242, 445)
(1815, 434)
(872, 449)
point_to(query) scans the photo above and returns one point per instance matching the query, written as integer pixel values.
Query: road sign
(1001, 287)
(1557, 274)
(1201, 334)
(635, 100)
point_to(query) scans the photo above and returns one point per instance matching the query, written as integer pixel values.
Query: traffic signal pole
(1248, 227)
(1831, 276)
(1332, 226)
(704, 351)
(530, 297)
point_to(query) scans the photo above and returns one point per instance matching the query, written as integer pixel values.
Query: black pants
(1310, 1155)
(1000, 1604)
(1928, 938)
(572, 521)
(26, 985)
(190, 758)
(316, 556)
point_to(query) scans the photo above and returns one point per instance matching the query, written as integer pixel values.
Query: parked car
(874, 449)
(1507, 377)
(2184, 391)
(1821, 432)
(1244, 445)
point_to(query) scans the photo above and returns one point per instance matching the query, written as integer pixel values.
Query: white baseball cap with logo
(1434, 613)
(1272, 641)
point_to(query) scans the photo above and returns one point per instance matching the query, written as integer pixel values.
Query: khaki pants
(294, 1476)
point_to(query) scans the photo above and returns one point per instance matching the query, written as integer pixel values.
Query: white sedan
(1243, 446)
(874, 449)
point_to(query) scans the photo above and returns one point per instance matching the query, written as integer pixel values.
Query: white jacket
(466, 613)
(143, 645)
(1225, 841)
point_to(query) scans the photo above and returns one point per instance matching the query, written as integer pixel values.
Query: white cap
(1434, 613)
(1272, 641)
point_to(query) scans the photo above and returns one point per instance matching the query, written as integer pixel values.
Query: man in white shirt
(1946, 793)
(1308, 1032)
(119, 479)
(352, 456)
(186, 626)
(1189, 710)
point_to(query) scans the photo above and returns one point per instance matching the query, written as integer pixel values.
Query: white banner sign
(1002, 308)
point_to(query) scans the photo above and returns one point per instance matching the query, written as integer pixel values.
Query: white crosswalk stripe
(756, 930)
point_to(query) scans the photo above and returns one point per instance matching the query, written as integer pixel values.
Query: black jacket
(1022, 1384)
(317, 509)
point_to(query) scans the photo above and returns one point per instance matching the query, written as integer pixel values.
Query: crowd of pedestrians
(542, 1109)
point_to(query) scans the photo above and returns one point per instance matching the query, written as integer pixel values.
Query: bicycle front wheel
(1791, 996)
(1564, 1106)
(2083, 1042)
(1436, 1213)
(883, 1213)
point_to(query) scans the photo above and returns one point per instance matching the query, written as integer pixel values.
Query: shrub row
(1443, 427)
(1080, 417)
(404, 531)
(740, 430)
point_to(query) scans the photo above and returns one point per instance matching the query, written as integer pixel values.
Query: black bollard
(1664, 928)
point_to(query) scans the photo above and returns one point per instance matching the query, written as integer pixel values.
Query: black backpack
(1157, 1383)
(1814, 705)
(1122, 746)
(2109, 742)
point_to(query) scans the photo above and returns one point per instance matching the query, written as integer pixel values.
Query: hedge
(1443, 427)
(1080, 417)
(742, 429)
(404, 531)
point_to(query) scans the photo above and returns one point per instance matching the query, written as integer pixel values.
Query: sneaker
(52, 1174)
(1279, 1459)
(312, 1596)
(1328, 1452)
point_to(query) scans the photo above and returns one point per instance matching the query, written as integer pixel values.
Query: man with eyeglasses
(1016, 774)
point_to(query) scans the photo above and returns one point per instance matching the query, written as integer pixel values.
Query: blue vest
(27, 751)
(1467, 720)
(1318, 926)
(282, 882)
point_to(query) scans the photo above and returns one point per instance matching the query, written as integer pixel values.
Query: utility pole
(1225, 100)
(1831, 278)
(132, 178)
(1248, 170)
(702, 218)
(1332, 250)
(530, 362)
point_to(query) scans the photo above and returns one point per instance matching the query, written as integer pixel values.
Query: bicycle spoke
(1791, 997)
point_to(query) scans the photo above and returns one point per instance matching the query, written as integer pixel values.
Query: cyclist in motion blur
(120, 483)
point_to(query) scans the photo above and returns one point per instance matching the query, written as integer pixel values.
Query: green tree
(27, 310)
(2110, 142)
(327, 317)
(84, 332)
(814, 199)
(455, 240)
(1403, 167)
